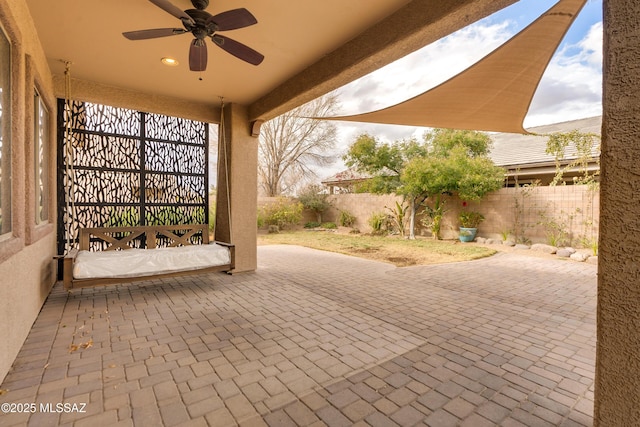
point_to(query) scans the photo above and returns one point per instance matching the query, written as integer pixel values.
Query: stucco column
(617, 392)
(241, 169)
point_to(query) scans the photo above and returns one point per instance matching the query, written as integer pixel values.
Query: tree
(384, 162)
(447, 161)
(293, 143)
(442, 141)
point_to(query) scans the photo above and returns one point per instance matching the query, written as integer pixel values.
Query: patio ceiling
(310, 47)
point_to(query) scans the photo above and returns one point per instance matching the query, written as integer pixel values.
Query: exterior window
(41, 150)
(5, 134)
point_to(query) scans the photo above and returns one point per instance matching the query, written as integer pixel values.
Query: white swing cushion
(147, 262)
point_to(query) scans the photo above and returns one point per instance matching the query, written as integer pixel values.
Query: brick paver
(317, 339)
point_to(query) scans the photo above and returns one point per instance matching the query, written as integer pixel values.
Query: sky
(570, 89)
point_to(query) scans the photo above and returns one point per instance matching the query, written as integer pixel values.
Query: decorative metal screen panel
(119, 167)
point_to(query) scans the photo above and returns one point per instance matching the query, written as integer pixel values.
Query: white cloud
(423, 69)
(571, 88)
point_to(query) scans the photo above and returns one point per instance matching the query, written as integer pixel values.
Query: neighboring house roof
(348, 175)
(352, 176)
(510, 149)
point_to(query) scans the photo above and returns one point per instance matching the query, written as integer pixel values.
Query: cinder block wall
(362, 206)
(572, 207)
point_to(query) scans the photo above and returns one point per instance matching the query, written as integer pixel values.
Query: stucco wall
(27, 271)
(617, 391)
(25, 282)
(243, 188)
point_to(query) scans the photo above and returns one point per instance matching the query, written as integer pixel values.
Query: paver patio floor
(314, 338)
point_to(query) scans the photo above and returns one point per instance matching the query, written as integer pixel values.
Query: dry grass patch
(398, 251)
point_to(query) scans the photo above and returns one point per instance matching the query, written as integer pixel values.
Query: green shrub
(346, 219)
(379, 223)
(261, 220)
(281, 213)
(557, 228)
(470, 219)
(329, 225)
(167, 215)
(398, 216)
(315, 199)
(273, 229)
(212, 217)
(312, 224)
(123, 217)
(433, 217)
(591, 243)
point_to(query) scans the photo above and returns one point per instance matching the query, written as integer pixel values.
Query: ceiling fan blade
(153, 33)
(172, 9)
(198, 55)
(238, 49)
(233, 19)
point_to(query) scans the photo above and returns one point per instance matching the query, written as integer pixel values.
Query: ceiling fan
(202, 24)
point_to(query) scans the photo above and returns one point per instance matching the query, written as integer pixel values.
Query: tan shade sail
(494, 94)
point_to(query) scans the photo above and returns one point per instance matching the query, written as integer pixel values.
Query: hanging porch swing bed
(119, 263)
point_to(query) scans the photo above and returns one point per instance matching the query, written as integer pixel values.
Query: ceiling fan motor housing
(200, 4)
(202, 27)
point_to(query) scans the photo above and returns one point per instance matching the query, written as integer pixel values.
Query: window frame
(41, 158)
(12, 242)
(6, 126)
(35, 230)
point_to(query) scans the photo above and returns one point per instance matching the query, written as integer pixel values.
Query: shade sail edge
(481, 97)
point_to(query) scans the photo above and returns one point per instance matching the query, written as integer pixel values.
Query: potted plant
(469, 221)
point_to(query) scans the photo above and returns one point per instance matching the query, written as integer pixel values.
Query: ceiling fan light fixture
(171, 62)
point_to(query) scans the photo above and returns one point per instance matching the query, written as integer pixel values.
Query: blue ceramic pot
(467, 234)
